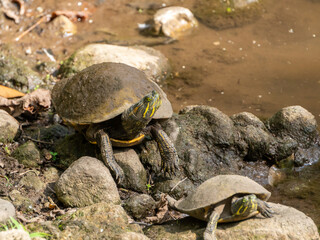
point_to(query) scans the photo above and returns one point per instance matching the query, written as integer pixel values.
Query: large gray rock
(153, 63)
(9, 126)
(287, 224)
(85, 182)
(135, 174)
(7, 210)
(295, 122)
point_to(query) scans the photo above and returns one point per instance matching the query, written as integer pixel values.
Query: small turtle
(112, 105)
(224, 198)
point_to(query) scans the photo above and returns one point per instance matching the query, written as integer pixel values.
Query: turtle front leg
(209, 233)
(168, 153)
(105, 146)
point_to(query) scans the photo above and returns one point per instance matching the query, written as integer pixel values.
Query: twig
(38, 141)
(30, 28)
(178, 184)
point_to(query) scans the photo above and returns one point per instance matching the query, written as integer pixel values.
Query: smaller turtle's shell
(219, 188)
(103, 91)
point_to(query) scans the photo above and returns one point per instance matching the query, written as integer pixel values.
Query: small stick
(30, 28)
(178, 184)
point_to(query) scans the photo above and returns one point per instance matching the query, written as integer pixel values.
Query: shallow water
(260, 67)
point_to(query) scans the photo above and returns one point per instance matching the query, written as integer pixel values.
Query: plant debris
(31, 103)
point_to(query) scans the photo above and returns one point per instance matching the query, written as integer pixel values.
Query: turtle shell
(219, 188)
(103, 91)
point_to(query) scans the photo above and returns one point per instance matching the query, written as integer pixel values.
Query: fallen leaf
(31, 103)
(7, 92)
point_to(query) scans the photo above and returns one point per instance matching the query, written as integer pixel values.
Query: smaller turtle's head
(147, 106)
(244, 205)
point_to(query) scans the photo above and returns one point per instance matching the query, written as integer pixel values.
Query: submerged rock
(85, 182)
(173, 22)
(283, 225)
(226, 14)
(9, 127)
(152, 62)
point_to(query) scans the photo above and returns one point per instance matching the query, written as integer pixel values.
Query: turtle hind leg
(209, 233)
(169, 155)
(105, 146)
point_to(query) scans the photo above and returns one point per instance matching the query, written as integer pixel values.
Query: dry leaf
(30, 103)
(7, 92)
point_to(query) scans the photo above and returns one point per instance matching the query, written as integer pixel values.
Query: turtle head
(245, 205)
(147, 106)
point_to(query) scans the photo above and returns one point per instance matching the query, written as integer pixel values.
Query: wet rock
(99, 221)
(153, 63)
(15, 73)
(9, 127)
(226, 14)
(295, 122)
(27, 154)
(276, 176)
(140, 206)
(283, 225)
(173, 22)
(33, 181)
(71, 148)
(135, 174)
(205, 141)
(50, 133)
(7, 210)
(85, 182)
(245, 119)
(15, 234)
(307, 156)
(62, 26)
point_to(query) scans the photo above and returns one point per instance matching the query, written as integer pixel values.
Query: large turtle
(224, 198)
(112, 104)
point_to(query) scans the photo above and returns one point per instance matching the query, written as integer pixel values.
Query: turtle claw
(265, 209)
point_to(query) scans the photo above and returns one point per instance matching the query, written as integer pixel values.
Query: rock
(226, 14)
(308, 156)
(283, 225)
(135, 174)
(15, 73)
(7, 210)
(173, 22)
(62, 26)
(9, 127)
(140, 206)
(295, 122)
(21, 202)
(181, 187)
(153, 63)
(50, 133)
(85, 182)
(33, 181)
(27, 154)
(245, 119)
(15, 234)
(133, 236)
(71, 148)
(51, 174)
(99, 221)
(205, 142)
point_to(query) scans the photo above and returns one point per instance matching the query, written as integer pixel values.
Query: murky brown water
(261, 67)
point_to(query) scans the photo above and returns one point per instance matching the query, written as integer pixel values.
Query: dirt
(260, 67)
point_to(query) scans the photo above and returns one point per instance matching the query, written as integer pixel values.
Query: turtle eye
(148, 99)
